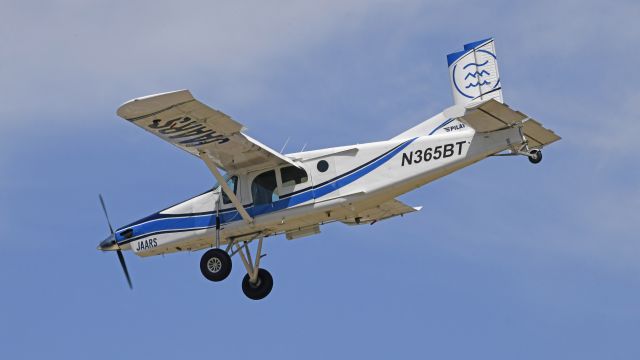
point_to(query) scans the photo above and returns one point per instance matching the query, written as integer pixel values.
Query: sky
(505, 260)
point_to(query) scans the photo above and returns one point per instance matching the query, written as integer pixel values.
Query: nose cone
(108, 244)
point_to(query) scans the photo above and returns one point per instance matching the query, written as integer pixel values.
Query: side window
(263, 188)
(292, 175)
(233, 184)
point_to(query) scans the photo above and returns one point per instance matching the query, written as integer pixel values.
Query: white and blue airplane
(262, 193)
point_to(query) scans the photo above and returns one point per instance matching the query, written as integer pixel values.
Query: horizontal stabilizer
(537, 135)
(492, 115)
(383, 211)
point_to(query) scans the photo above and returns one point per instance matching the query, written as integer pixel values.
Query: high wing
(185, 122)
(383, 211)
(492, 115)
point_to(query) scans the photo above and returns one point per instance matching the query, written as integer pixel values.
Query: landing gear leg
(522, 148)
(534, 155)
(257, 283)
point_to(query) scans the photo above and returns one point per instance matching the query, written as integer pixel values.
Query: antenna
(303, 147)
(285, 144)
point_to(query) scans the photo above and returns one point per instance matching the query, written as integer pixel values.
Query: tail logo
(468, 74)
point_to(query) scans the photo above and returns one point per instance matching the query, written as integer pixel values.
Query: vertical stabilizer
(474, 73)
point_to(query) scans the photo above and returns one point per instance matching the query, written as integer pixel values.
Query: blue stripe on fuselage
(440, 126)
(208, 220)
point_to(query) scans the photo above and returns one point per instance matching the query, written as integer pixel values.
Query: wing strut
(225, 187)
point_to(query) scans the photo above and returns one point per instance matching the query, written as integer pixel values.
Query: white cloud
(59, 54)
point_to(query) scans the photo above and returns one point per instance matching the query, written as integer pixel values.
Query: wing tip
(152, 103)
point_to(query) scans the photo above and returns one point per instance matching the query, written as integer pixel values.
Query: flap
(185, 122)
(383, 211)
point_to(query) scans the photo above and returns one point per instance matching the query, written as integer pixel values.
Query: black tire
(261, 289)
(535, 156)
(215, 265)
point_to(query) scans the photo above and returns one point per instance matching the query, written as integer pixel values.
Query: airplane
(262, 193)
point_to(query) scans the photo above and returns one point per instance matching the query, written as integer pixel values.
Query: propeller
(111, 241)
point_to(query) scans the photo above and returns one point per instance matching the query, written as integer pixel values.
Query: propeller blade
(124, 268)
(104, 208)
(120, 256)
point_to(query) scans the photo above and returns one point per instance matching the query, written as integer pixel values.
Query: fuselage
(334, 184)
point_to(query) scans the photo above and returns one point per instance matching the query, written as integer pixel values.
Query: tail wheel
(215, 265)
(261, 288)
(535, 156)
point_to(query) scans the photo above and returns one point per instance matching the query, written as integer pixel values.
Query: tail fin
(474, 73)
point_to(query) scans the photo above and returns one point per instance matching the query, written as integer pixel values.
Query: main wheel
(261, 288)
(535, 156)
(215, 265)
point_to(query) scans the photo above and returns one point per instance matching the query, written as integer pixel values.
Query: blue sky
(506, 260)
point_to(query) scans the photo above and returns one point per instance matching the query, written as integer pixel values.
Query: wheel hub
(256, 284)
(214, 265)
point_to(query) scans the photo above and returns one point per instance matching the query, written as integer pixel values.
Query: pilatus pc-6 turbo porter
(262, 193)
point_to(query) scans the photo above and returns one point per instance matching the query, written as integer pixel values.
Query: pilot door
(279, 188)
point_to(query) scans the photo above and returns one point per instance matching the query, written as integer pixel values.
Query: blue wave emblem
(477, 84)
(474, 64)
(475, 73)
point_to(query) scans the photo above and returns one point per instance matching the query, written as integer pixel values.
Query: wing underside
(178, 118)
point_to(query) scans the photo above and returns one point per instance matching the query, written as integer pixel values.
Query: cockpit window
(292, 175)
(233, 184)
(264, 188)
(127, 234)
